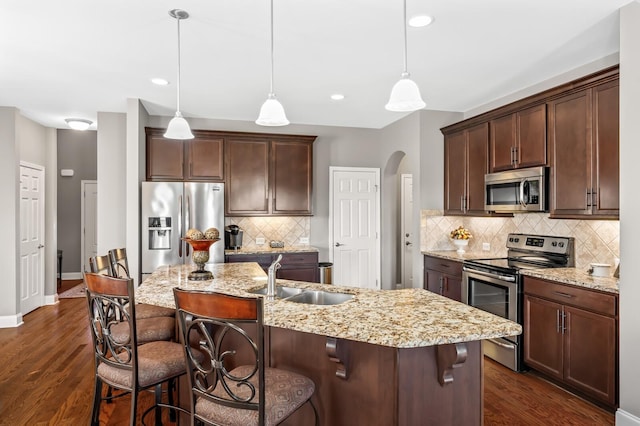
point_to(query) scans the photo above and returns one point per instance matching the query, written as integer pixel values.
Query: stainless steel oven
(495, 286)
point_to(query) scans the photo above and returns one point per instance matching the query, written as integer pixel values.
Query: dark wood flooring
(46, 378)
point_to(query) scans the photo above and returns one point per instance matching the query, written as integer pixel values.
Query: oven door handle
(501, 344)
(507, 278)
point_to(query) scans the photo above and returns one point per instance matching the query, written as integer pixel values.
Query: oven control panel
(542, 243)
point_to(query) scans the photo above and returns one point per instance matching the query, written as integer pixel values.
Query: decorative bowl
(200, 256)
(460, 244)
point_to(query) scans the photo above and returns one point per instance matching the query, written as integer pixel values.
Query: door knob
(338, 244)
(40, 246)
(408, 243)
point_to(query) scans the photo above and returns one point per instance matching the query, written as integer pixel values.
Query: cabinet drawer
(570, 295)
(261, 259)
(299, 258)
(450, 267)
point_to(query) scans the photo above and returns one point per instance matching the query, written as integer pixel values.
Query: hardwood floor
(46, 378)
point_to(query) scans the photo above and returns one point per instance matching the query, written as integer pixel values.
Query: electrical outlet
(486, 246)
(304, 240)
(259, 241)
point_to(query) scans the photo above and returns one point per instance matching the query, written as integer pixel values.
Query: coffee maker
(232, 237)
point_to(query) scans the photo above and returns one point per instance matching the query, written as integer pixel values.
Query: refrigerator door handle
(180, 243)
(187, 221)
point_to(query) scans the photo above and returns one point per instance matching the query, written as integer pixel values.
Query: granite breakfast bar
(392, 357)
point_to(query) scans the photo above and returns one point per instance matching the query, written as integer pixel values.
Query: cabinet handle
(564, 316)
(588, 199)
(561, 294)
(557, 320)
(444, 265)
(440, 281)
(515, 155)
(594, 198)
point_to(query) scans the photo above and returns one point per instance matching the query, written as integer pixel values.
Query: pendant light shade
(178, 127)
(272, 111)
(405, 95)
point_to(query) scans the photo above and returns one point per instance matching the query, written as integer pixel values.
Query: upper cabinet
(466, 163)
(269, 176)
(519, 139)
(198, 159)
(264, 174)
(584, 147)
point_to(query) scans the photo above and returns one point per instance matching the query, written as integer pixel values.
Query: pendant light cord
(271, 29)
(404, 26)
(178, 104)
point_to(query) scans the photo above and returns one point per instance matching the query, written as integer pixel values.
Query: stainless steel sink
(282, 292)
(319, 297)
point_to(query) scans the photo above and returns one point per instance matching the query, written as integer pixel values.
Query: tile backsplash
(595, 240)
(288, 229)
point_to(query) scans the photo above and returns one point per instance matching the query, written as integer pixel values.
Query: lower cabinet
(570, 334)
(443, 276)
(294, 266)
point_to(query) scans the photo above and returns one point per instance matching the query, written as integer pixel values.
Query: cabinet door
(543, 340)
(247, 183)
(477, 167)
(291, 174)
(503, 141)
(452, 288)
(590, 353)
(433, 281)
(570, 142)
(205, 160)
(165, 157)
(606, 146)
(455, 160)
(531, 130)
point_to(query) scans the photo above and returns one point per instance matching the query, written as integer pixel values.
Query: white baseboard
(72, 275)
(10, 321)
(51, 299)
(626, 419)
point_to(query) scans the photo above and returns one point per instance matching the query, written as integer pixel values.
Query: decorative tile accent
(286, 228)
(596, 240)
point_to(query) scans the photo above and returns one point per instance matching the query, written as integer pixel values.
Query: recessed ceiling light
(420, 21)
(78, 123)
(337, 96)
(159, 81)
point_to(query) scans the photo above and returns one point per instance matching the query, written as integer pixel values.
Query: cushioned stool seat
(144, 311)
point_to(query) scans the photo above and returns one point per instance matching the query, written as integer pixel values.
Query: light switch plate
(486, 246)
(259, 241)
(304, 240)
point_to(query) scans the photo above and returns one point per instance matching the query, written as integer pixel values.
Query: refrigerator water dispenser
(160, 233)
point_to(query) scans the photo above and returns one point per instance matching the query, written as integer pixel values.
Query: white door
(406, 228)
(88, 219)
(355, 226)
(31, 237)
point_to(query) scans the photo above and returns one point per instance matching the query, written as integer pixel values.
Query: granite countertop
(576, 277)
(571, 276)
(268, 250)
(396, 318)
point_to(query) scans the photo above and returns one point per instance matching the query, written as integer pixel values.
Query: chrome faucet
(271, 277)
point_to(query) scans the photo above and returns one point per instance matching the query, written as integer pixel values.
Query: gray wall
(78, 151)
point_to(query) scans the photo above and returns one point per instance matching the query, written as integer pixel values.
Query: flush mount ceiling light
(160, 81)
(78, 123)
(272, 112)
(178, 127)
(420, 21)
(337, 96)
(405, 95)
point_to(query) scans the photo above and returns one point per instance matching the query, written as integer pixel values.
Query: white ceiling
(73, 58)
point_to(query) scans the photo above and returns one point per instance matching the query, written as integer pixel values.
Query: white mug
(600, 269)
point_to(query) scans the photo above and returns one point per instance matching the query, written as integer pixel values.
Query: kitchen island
(392, 357)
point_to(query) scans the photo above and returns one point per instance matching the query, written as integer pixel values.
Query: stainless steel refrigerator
(169, 209)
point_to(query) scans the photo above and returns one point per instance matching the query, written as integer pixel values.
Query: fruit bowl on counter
(200, 242)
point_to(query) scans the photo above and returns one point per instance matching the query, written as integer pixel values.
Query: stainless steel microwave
(523, 190)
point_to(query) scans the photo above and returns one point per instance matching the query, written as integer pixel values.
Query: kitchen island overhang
(398, 357)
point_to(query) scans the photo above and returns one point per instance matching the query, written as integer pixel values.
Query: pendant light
(405, 95)
(272, 112)
(178, 127)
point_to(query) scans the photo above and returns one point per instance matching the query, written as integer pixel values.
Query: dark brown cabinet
(466, 163)
(198, 159)
(295, 266)
(443, 276)
(519, 139)
(584, 145)
(269, 176)
(570, 334)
